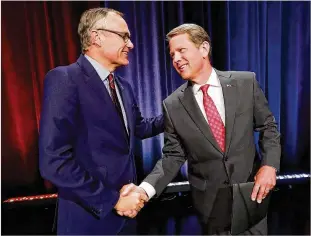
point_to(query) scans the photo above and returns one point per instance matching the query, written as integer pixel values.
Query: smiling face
(112, 48)
(189, 60)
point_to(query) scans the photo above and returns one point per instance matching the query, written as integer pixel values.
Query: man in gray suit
(209, 121)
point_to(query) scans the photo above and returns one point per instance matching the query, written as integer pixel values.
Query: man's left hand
(265, 181)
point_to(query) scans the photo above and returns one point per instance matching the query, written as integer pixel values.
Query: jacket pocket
(197, 183)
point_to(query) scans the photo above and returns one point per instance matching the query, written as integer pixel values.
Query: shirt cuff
(149, 189)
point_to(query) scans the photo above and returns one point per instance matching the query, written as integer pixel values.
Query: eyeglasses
(124, 35)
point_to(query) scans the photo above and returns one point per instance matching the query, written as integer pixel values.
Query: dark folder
(245, 212)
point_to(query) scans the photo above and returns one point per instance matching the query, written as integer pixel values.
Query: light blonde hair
(195, 32)
(87, 22)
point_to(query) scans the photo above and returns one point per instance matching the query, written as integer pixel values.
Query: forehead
(115, 22)
(180, 41)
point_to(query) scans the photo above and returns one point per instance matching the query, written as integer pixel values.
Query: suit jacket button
(226, 158)
(226, 182)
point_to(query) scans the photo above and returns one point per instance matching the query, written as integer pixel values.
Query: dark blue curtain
(271, 39)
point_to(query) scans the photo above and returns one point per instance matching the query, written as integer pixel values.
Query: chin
(185, 76)
(124, 62)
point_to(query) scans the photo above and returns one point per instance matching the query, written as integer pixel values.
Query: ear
(95, 38)
(205, 48)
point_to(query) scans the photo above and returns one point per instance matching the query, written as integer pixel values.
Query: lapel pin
(228, 85)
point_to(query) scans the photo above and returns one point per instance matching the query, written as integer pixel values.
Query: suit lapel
(126, 104)
(188, 101)
(229, 93)
(93, 80)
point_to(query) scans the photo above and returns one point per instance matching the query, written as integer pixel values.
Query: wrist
(141, 190)
(271, 167)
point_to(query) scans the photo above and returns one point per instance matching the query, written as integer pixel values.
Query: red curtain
(36, 37)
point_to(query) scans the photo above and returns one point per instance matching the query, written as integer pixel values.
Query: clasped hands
(132, 200)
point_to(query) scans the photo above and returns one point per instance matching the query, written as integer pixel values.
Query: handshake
(131, 201)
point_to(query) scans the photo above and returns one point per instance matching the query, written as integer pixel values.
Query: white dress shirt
(215, 92)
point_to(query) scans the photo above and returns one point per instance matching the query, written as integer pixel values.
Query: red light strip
(30, 198)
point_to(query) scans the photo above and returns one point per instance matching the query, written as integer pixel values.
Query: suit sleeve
(174, 156)
(265, 124)
(58, 125)
(147, 127)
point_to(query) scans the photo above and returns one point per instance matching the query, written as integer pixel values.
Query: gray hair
(87, 22)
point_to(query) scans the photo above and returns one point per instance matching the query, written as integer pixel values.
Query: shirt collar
(212, 81)
(101, 71)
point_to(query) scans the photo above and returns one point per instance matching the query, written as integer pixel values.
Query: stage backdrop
(271, 39)
(36, 37)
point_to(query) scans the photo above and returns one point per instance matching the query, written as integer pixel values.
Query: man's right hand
(128, 190)
(133, 201)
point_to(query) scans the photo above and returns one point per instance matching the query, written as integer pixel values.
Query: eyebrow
(177, 49)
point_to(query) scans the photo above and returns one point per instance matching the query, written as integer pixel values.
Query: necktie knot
(111, 82)
(204, 88)
(110, 77)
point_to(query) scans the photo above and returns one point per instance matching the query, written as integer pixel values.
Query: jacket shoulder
(245, 79)
(64, 70)
(63, 75)
(248, 75)
(174, 95)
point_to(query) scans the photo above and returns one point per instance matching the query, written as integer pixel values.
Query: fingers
(126, 189)
(144, 197)
(255, 191)
(139, 206)
(273, 183)
(267, 190)
(269, 187)
(265, 180)
(131, 188)
(134, 201)
(130, 213)
(261, 193)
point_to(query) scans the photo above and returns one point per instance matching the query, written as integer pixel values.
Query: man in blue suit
(88, 123)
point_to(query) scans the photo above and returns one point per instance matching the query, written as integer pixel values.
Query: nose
(176, 57)
(130, 44)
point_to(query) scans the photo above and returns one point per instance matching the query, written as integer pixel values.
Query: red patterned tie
(214, 119)
(114, 93)
(115, 98)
